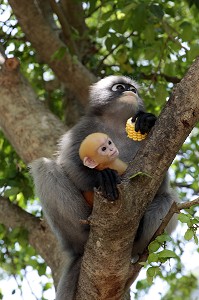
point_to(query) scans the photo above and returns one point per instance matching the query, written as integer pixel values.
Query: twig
(155, 76)
(175, 208)
(187, 204)
(111, 52)
(65, 26)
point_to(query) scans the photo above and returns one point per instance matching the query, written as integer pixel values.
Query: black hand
(143, 121)
(108, 184)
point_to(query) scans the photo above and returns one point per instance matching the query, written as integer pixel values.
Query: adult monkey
(60, 183)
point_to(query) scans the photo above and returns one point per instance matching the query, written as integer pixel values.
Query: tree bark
(46, 42)
(30, 127)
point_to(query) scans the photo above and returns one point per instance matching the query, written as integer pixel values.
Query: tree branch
(175, 208)
(186, 205)
(73, 12)
(46, 42)
(39, 234)
(47, 13)
(65, 27)
(23, 119)
(75, 15)
(154, 76)
(112, 241)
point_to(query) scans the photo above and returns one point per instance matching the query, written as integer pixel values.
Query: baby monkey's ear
(89, 162)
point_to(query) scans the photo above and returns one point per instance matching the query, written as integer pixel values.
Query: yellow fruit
(132, 134)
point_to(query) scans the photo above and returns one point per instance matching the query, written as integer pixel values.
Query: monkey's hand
(143, 121)
(108, 184)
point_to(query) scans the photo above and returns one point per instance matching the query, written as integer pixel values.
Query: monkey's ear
(89, 162)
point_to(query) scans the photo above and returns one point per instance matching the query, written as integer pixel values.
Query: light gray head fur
(100, 92)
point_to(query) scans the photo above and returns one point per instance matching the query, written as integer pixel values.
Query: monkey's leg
(68, 282)
(152, 219)
(63, 205)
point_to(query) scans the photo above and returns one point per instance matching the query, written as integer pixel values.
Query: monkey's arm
(144, 121)
(108, 184)
(87, 179)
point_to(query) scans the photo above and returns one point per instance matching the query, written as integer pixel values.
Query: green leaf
(142, 263)
(167, 254)
(187, 31)
(151, 271)
(149, 280)
(152, 258)
(189, 234)
(129, 8)
(161, 92)
(149, 33)
(104, 29)
(3, 231)
(59, 54)
(157, 10)
(195, 239)
(140, 174)
(47, 286)
(184, 218)
(42, 269)
(11, 191)
(138, 21)
(193, 52)
(163, 238)
(108, 43)
(154, 246)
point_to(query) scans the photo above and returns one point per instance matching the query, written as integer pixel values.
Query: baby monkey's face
(107, 149)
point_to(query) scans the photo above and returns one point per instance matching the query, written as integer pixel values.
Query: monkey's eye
(118, 87)
(109, 142)
(103, 149)
(133, 89)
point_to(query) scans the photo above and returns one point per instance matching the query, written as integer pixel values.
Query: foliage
(153, 41)
(165, 263)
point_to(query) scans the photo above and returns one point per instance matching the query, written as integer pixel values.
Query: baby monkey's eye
(103, 149)
(109, 142)
(118, 87)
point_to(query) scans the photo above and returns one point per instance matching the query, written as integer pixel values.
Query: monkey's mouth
(114, 155)
(130, 98)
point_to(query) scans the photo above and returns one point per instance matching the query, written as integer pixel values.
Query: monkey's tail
(68, 282)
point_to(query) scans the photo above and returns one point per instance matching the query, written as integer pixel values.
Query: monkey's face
(116, 94)
(107, 151)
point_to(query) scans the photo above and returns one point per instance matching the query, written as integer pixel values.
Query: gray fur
(59, 183)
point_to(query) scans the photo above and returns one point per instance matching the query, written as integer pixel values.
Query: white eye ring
(133, 89)
(118, 87)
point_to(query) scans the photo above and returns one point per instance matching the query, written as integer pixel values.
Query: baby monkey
(98, 151)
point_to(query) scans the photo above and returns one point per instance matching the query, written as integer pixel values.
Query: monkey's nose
(128, 93)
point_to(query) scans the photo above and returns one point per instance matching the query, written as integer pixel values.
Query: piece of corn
(132, 134)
